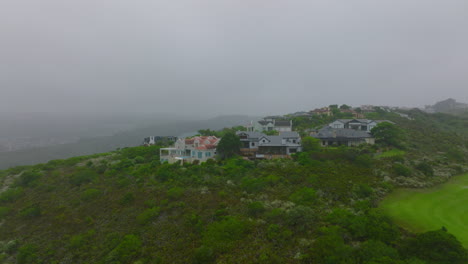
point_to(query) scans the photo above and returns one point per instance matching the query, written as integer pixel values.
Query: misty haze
(234, 131)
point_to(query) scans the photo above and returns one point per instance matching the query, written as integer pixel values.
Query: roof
(204, 142)
(263, 122)
(289, 134)
(329, 132)
(284, 123)
(250, 134)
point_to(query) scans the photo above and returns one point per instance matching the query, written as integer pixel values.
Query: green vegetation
(321, 206)
(430, 209)
(229, 145)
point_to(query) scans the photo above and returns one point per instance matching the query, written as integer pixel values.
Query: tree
(345, 107)
(310, 144)
(436, 247)
(388, 134)
(229, 145)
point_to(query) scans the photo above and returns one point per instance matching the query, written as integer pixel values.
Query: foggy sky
(229, 56)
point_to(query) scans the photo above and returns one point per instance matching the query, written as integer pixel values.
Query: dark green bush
(175, 193)
(82, 176)
(255, 209)
(425, 168)
(222, 235)
(401, 170)
(31, 211)
(90, 194)
(27, 254)
(125, 251)
(4, 212)
(148, 215)
(28, 178)
(11, 194)
(304, 196)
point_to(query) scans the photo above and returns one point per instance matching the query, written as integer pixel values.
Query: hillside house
(324, 111)
(357, 124)
(257, 145)
(330, 136)
(153, 140)
(190, 149)
(270, 124)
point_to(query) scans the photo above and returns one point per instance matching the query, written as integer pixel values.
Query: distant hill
(91, 145)
(450, 106)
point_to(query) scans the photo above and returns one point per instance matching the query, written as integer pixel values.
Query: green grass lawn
(430, 209)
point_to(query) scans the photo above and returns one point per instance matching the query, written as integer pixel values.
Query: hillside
(319, 207)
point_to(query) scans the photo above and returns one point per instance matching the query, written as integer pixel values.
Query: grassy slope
(429, 209)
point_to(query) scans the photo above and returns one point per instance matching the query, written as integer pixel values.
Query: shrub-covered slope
(319, 207)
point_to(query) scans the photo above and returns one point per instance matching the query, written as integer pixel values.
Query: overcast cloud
(230, 56)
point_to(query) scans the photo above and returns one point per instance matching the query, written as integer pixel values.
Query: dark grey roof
(284, 123)
(289, 134)
(264, 123)
(329, 132)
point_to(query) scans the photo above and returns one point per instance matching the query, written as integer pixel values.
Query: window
(252, 144)
(200, 155)
(294, 141)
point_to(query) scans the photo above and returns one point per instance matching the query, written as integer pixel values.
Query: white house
(356, 124)
(270, 124)
(190, 149)
(258, 145)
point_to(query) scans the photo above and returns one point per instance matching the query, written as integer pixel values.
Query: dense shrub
(90, 194)
(401, 170)
(253, 185)
(27, 254)
(175, 193)
(222, 235)
(11, 194)
(125, 251)
(148, 215)
(305, 196)
(255, 209)
(83, 175)
(28, 178)
(435, 247)
(4, 211)
(425, 168)
(31, 211)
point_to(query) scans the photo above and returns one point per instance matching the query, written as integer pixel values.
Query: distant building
(343, 136)
(190, 149)
(324, 111)
(270, 124)
(357, 124)
(154, 140)
(352, 112)
(367, 108)
(257, 145)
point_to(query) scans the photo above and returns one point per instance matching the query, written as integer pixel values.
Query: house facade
(330, 136)
(189, 150)
(270, 124)
(257, 145)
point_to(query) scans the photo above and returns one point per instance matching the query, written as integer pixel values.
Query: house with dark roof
(270, 124)
(330, 136)
(257, 145)
(357, 124)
